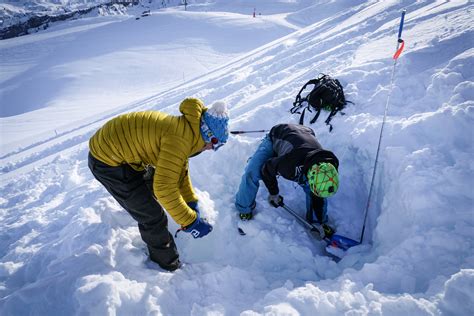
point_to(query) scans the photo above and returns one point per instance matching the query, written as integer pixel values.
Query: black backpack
(327, 94)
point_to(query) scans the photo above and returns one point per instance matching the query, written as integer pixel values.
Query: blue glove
(194, 206)
(199, 228)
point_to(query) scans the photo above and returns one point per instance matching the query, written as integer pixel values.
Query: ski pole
(398, 51)
(245, 132)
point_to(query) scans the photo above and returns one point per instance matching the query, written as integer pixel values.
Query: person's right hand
(275, 200)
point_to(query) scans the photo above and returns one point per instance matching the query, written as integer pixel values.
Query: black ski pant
(133, 191)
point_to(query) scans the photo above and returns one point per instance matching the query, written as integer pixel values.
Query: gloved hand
(194, 206)
(246, 216)
(199, 228)
(328, 230)
(275, 200)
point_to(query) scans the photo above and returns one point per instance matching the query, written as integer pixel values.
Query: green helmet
(323, 179)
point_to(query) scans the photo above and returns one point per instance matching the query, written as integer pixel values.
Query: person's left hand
(199, 228)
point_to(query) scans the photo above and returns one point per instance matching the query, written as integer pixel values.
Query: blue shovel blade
(342, 242)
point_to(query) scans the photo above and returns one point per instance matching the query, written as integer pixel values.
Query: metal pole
(312, 227)
(397, 53)
(246, 132)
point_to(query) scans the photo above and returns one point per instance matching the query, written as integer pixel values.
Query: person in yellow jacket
(141, 158)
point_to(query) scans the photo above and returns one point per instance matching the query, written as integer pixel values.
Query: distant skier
(291, 151)
(141, 158)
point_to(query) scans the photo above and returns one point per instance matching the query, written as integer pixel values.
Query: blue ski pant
(248, 188)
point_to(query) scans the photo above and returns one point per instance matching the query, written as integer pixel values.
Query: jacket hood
(192, 110)
(318, 156)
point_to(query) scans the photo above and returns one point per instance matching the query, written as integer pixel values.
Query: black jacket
(295, 150)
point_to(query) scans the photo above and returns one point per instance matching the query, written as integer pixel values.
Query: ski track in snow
(68, 248)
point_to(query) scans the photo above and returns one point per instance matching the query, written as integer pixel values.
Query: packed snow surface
(67, 248)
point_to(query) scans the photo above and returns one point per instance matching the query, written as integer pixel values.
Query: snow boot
(248, 216)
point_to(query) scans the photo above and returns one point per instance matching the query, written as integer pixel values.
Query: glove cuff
(190, 227)
(193, 204)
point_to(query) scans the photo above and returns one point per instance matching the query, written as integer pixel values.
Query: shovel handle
(312, 227)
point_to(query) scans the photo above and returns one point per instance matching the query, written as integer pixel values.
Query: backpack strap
(298, 103)
(302, 117)
(329, 118)
(299, 100)
(315, 116)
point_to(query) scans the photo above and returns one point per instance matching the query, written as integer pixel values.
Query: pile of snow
(68, 248)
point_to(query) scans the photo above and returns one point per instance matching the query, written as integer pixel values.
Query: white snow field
(67, 248)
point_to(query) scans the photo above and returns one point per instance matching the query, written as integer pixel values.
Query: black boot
(163, 259)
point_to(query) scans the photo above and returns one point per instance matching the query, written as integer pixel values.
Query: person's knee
(148, 214)
(252, 175)
(159, 221)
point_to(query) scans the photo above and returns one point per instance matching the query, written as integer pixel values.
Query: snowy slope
(68, 248)
(83, 68)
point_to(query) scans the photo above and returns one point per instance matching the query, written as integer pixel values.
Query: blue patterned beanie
(215, 119)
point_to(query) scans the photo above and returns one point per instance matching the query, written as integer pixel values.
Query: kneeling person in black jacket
(291, 151)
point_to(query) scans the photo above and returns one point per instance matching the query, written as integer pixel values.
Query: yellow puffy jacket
(162, 141)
